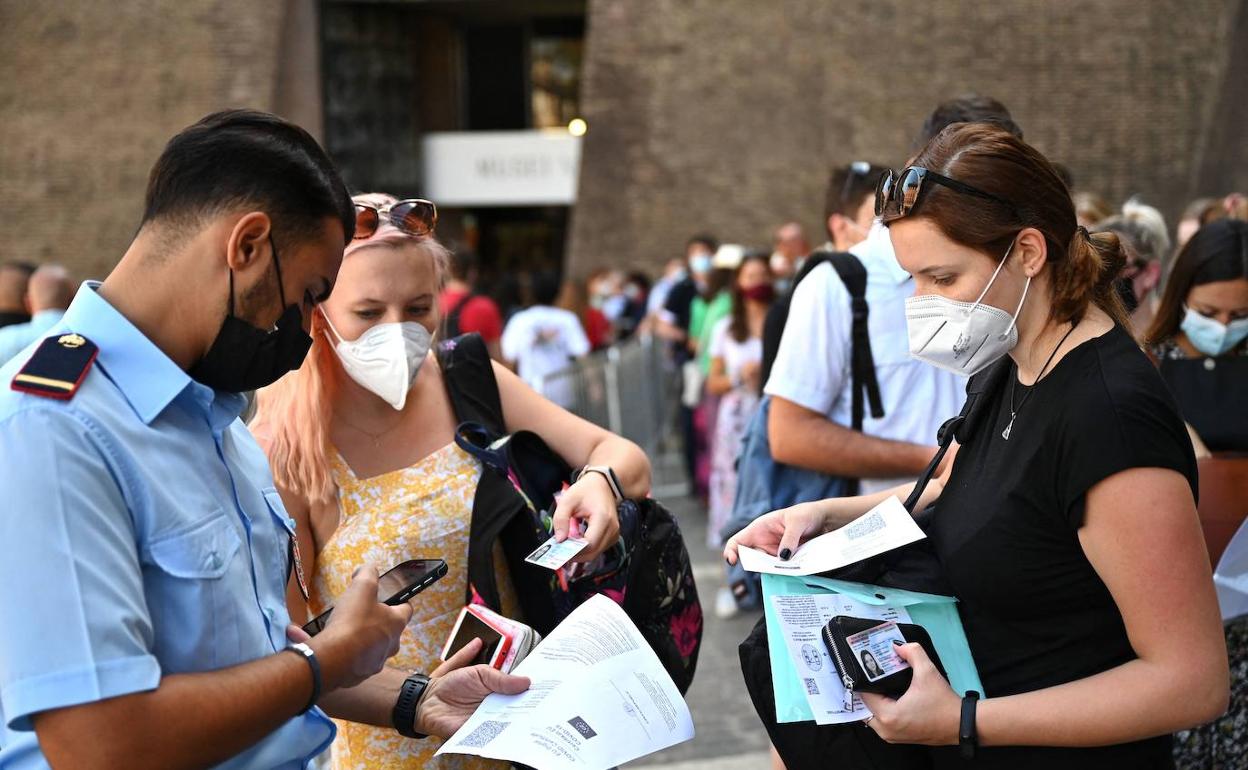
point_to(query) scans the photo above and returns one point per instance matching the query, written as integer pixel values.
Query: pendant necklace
(1014, 410)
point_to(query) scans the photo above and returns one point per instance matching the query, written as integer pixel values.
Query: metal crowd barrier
(632, 390)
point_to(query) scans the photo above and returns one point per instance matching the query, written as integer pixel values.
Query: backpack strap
(862, 361)
(469, 375)
(962, 427)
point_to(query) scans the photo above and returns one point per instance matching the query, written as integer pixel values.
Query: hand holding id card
(864, 651)
(553, 555)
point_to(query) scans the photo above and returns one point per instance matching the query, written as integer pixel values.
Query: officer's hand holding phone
(456, 689)
(361, 635)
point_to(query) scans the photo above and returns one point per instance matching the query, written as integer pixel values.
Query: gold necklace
(376, 437)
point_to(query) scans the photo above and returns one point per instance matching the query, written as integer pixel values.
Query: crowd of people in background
(768, 343)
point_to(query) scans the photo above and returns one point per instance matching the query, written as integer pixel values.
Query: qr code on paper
(485, 732)
(812, 687)
(866, 525)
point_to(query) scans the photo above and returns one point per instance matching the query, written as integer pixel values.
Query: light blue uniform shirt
(140, 535)
(16, 337)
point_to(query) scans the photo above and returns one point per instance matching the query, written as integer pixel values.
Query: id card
(553, 555)
(875, 651)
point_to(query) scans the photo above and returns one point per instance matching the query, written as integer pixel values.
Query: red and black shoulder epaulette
(57, 367)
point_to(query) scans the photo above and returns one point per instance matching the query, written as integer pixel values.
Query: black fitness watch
(968, 738)
(404, 714)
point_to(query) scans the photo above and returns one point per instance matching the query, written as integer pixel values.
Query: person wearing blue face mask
(1200, 336)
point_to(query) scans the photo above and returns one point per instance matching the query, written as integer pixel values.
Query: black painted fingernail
(785, 553)
(897, 642)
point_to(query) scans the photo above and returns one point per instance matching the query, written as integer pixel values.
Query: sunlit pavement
(728, 734)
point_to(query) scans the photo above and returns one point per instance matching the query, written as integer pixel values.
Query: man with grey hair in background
(48, 295)
(1144, 229)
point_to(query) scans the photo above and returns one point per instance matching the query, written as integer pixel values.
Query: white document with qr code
(599, 698)
(885, 527)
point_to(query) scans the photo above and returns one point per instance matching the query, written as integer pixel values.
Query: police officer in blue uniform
(144, 551)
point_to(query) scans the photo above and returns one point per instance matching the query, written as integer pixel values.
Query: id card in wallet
(875, 651)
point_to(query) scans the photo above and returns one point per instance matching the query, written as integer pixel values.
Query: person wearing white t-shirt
(810, 384)
(543, 339)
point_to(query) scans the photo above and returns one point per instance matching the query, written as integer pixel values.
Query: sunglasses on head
(899, 193)
(414, 216)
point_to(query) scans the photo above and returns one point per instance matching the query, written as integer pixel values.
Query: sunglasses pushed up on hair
(898, 193)
(413, 216)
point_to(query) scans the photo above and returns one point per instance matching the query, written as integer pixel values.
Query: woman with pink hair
(361, 442)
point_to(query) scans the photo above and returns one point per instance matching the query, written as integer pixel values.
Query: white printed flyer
(885, 527)
(599, 698)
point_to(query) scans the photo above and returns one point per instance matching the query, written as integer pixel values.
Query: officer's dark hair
(969, 108)
(247, 158)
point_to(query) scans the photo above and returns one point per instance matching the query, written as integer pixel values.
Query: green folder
(937, 614)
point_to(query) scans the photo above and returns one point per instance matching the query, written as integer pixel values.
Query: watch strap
(968, 737)
(305, 652)
(608, 474)
(404, 714)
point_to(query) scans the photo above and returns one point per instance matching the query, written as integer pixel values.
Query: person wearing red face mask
(736, 353)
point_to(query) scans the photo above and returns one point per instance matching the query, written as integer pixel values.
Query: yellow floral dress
(420, 512)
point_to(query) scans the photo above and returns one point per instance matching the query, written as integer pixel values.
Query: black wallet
(850, 664)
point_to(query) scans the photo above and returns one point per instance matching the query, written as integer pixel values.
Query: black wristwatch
(404, 715)
(968, 739)
(605, 471)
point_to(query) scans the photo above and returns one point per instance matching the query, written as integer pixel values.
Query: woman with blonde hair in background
(361, 442)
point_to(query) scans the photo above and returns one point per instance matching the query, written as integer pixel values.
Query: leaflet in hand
(599, 698)
(883, 528)
(802, 618)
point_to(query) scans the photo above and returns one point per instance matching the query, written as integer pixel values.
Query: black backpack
(648, 573)
(862, 361)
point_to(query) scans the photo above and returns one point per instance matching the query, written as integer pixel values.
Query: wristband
(404, 714)
(305, 652)
(968, 738)
(606, 473)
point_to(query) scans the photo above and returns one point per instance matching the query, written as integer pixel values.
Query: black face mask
(244, 357)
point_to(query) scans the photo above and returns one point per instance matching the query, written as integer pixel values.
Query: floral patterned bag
(649, 574)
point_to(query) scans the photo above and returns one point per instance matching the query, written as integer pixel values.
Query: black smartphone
(394, 587)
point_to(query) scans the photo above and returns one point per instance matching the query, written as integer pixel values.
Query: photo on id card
(875, 651)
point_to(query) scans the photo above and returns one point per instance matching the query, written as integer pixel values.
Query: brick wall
(90, 93)
(726, 115)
